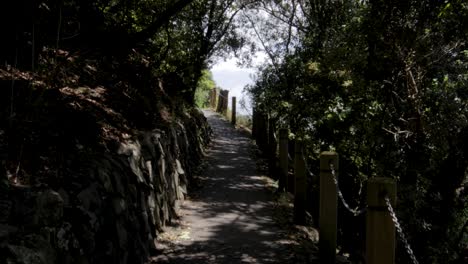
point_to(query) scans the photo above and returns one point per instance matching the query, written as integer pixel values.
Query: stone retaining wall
(111, 208)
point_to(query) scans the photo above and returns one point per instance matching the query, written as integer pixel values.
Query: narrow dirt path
(229, 220)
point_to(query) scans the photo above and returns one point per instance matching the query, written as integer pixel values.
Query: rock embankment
(111, 207)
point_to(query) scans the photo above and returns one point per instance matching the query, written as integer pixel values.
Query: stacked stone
(112, 208)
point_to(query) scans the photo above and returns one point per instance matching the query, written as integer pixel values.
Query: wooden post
(259, 130)
(233, 114)
(328, 208)
(254, 122)
(283, 156)
(291, 178)
(265, 133)
(262, 133)
(300, 184)
(225, 102)
(219, 105)
(380, 230)
(272, 147)
(213, 98)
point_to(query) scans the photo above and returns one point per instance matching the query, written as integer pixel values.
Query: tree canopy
(384, 83)
(177, 38)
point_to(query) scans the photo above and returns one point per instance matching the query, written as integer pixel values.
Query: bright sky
(229, 76)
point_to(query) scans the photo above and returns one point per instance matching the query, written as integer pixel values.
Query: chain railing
(374, 206)
(311, 174)
(356, 211)
(400, 231)
(390, 209)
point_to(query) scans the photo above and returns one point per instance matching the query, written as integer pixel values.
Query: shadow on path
(230, 218)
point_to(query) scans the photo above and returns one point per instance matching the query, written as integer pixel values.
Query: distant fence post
(262, 132)
(222, 102)
(300, 183)
(254, 122)
(259, 129)
(283, 157)
(328, 207)
(219, 105)
(233, 112)
(213, 98)
(272, 147)
(225, 101)
(380, 230)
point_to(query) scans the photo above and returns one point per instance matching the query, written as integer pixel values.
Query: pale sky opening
(229, 76)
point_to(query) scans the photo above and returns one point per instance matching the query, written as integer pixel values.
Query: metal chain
(306, 167)
(355, 212)
(311, 174)
(274, 137)
(400, 231)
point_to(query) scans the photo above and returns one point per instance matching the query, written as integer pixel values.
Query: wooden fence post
(283, 156)
(328, 207)
(266, 133)
(213, 98)
(259, 129)
(300, 184)
(233, 112)
(380, 230)
(272, 147)
(262, 133)
(222, 102)
(226, 102)
(219, 105)
(254, 122)
(225, 94)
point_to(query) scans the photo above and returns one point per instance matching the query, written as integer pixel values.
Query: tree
(205, 85)
(385, 85)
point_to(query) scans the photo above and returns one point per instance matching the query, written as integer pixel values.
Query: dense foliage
(205, 85)
(177, 40)
(385, 84)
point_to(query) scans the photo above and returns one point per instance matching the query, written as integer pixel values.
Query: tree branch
(267, 50)
(160, 21)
